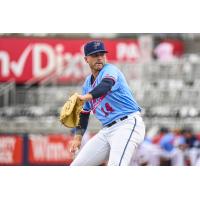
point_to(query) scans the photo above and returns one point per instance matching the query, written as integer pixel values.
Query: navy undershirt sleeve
(84, 118)
(103, 88)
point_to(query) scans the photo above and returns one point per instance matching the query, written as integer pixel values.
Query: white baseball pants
(117, 143)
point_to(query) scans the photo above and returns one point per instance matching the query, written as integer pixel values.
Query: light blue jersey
(117, 103)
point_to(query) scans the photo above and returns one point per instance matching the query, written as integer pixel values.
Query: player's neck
(95, 74)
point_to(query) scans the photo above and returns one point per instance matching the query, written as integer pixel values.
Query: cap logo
(96, 44)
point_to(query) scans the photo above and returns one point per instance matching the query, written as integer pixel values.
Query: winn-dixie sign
(31, 59)
(49, 149)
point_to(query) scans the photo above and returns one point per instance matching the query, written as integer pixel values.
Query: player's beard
(98, 66)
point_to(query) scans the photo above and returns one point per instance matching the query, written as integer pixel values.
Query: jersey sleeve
(111, 72)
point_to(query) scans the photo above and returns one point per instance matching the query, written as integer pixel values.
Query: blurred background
(38, 72)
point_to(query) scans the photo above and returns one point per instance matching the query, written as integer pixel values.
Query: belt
(114, 122)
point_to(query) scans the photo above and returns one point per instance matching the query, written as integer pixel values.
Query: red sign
(39, 59)
(33, 60)
(11, 150)
(49, 149)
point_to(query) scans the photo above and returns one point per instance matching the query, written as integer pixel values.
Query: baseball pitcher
(107, 94)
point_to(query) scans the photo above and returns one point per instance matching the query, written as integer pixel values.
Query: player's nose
(99, 57)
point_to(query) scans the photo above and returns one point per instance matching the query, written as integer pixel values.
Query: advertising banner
(35, 60)
(49, 149)
(26, 60)
(11, 150)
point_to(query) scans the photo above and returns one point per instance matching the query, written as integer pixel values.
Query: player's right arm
(108, 82)
(102, 89)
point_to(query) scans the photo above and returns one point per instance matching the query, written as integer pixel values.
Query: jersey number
(108, 109)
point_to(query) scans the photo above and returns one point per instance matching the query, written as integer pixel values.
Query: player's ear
(86, 59)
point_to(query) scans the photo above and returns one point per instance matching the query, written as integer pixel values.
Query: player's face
(96, 61)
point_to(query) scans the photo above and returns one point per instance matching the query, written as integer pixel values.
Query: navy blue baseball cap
(94, 47)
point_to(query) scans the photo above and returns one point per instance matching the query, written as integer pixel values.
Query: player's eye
(97, 54)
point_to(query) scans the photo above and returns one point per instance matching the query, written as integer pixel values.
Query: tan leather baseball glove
(70, 112)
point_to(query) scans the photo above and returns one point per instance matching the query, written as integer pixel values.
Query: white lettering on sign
(43, 149)
(38, 69)
(4, 59)
(127, 51)
(17, 67)
(7, 146)
(75, 65)
(62, 63)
